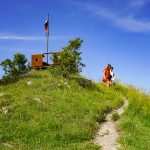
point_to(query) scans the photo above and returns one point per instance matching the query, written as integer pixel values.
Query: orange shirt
(107, 72)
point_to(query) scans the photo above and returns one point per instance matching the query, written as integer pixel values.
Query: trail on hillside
(108, 134)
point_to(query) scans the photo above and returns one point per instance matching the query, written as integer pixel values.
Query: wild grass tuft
(115, 116)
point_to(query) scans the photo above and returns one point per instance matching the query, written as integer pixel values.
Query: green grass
(135, 122)
(68, 114)
(115, 116)
(66, 118)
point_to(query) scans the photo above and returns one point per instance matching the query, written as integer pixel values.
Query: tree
(7, 65)
(70, 62)
(20, 63)
(13, 69)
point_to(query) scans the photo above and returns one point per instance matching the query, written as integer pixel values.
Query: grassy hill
(43, 111)
(135, 122)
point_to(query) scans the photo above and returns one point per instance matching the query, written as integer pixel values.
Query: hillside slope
(135, 122)
(43, 111)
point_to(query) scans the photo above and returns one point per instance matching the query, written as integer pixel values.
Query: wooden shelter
(37, 60)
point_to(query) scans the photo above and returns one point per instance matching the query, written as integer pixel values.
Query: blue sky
(115, 32)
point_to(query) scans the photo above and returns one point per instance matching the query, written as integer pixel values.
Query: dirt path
(107, 135)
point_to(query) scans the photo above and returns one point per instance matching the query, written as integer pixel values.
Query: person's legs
(108, 82)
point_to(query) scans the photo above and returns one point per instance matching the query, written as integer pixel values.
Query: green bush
(14, 68)
(70, 62)
(8, 67)
(20, 63)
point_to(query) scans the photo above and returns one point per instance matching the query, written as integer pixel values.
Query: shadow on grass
(85, 83)
(13, 79)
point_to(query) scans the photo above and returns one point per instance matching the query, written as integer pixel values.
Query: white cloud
(19, 37)
(30, 37)
(137, 3)
(127, 22)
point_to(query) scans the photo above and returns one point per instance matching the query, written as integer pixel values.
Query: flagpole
(47, 37)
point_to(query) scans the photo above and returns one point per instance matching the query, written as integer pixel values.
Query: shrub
(8, 67)
(20, 63)
(70, 62)
(13, 69)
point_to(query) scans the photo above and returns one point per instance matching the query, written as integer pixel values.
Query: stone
(29, 82)
(38, 99)
(5, 110)
(2, 94)
(8, 145)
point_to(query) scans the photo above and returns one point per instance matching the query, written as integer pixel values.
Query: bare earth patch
(108, 134)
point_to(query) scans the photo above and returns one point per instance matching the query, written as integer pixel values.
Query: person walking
(107, 76)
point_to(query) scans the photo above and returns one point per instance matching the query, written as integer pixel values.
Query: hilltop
(46, 111)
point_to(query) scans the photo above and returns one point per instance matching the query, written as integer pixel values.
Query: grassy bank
(43, 111)
(135, 123)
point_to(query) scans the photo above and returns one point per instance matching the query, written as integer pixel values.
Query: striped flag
(46, 26)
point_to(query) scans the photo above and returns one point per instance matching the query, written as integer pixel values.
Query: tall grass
(135, 123)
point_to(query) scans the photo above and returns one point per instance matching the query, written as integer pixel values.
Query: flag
(46, 26)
